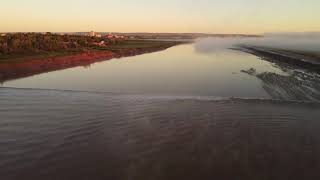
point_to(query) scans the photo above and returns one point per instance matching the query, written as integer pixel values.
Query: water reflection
(23, 69)
(190, 69)
(16, 69)
(180, 70)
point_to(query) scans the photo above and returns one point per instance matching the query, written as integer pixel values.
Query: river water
(184, 70)
(162, 116)
(51, 135)
(180, 70)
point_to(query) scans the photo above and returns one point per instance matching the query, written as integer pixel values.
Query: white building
(92, 34)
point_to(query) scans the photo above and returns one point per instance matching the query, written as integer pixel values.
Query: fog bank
(289, 41)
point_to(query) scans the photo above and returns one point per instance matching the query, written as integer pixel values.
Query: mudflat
(300, 59)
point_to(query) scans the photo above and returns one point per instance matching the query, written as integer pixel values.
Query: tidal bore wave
(50, 134)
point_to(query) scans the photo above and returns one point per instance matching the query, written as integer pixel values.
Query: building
(92, 34)
(101, 43)
(3, 34)
(111, 36)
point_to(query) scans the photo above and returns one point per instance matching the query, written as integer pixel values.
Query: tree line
(36, 43)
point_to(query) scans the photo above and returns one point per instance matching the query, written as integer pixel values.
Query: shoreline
(295, 58)
(24, 68)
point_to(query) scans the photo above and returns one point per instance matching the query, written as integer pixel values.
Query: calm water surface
(180, 70)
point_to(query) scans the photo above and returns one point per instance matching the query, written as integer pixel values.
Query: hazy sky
(212, 16)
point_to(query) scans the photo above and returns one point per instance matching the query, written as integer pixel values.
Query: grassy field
(137, 44)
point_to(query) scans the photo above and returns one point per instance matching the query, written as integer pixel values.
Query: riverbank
(31, 65)
(307, 60)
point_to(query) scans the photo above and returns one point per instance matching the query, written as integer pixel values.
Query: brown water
(62, 135)
(178, 123)
(181, 70)
(184, 70)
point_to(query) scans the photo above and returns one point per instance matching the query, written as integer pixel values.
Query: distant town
(21, 45)
(142, 35)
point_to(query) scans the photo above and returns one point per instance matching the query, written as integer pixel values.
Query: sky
(205, 16)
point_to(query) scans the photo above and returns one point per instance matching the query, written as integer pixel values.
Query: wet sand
(50, 135)
(295, 58)
(296, 85)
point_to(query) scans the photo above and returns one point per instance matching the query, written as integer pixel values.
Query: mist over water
(293, 83)
(205, 68)
(289, 41)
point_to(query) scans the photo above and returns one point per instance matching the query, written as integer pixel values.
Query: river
(162, 116)
(183, 70)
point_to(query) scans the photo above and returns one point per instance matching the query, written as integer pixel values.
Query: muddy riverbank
(20, 69)
(305, 60)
